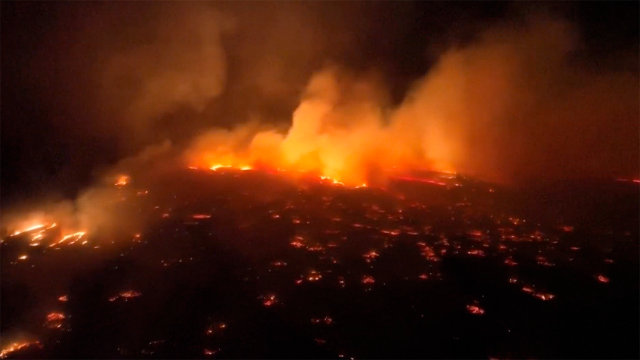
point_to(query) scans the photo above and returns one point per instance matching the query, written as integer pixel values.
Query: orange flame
(16, 346)
(122, 180)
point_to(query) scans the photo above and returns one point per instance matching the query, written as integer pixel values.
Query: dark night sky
(54, 134)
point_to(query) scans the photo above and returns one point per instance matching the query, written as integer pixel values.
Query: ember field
(248, 264)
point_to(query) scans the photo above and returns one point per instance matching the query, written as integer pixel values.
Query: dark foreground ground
(323, 271)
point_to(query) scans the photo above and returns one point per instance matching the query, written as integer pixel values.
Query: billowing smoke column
(515, 103)
(339, 130)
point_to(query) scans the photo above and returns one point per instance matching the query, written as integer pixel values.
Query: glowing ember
(545, 263)
(314, 276)
(122, 180)
(63, 298)
(212, 330)
(54, 320)
(475, 233)
(55, 317)
(326, 320)
(476, 252)
(540, 295)
(475, 310)
(510, 262)
(210, 352)
(126, 295)
(269, 300)
(371, 255)
(543, 296)
(23, 257)
(603, 279)
(201, 216)
(297, 244)
(367, 279)
(130, 294)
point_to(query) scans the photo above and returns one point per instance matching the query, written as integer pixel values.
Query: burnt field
(245, 264)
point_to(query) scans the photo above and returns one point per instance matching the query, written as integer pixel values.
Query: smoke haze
(513, 104)
(341, 89)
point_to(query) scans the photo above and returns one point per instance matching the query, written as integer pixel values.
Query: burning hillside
(317, 180)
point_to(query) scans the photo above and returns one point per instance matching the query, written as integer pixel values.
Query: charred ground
(243, 264)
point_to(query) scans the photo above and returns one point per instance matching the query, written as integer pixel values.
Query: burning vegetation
(390, 212)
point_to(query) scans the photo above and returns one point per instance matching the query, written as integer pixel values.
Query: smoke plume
(244, 87)
(515, 103)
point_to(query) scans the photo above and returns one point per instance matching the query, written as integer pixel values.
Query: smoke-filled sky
(502, 91)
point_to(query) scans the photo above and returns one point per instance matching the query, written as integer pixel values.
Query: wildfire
(16, 346)
(77, 237)
(218, 166)
(427, 181)
(40, 232)
(35, 227)
(215, 167)
(332, 180)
